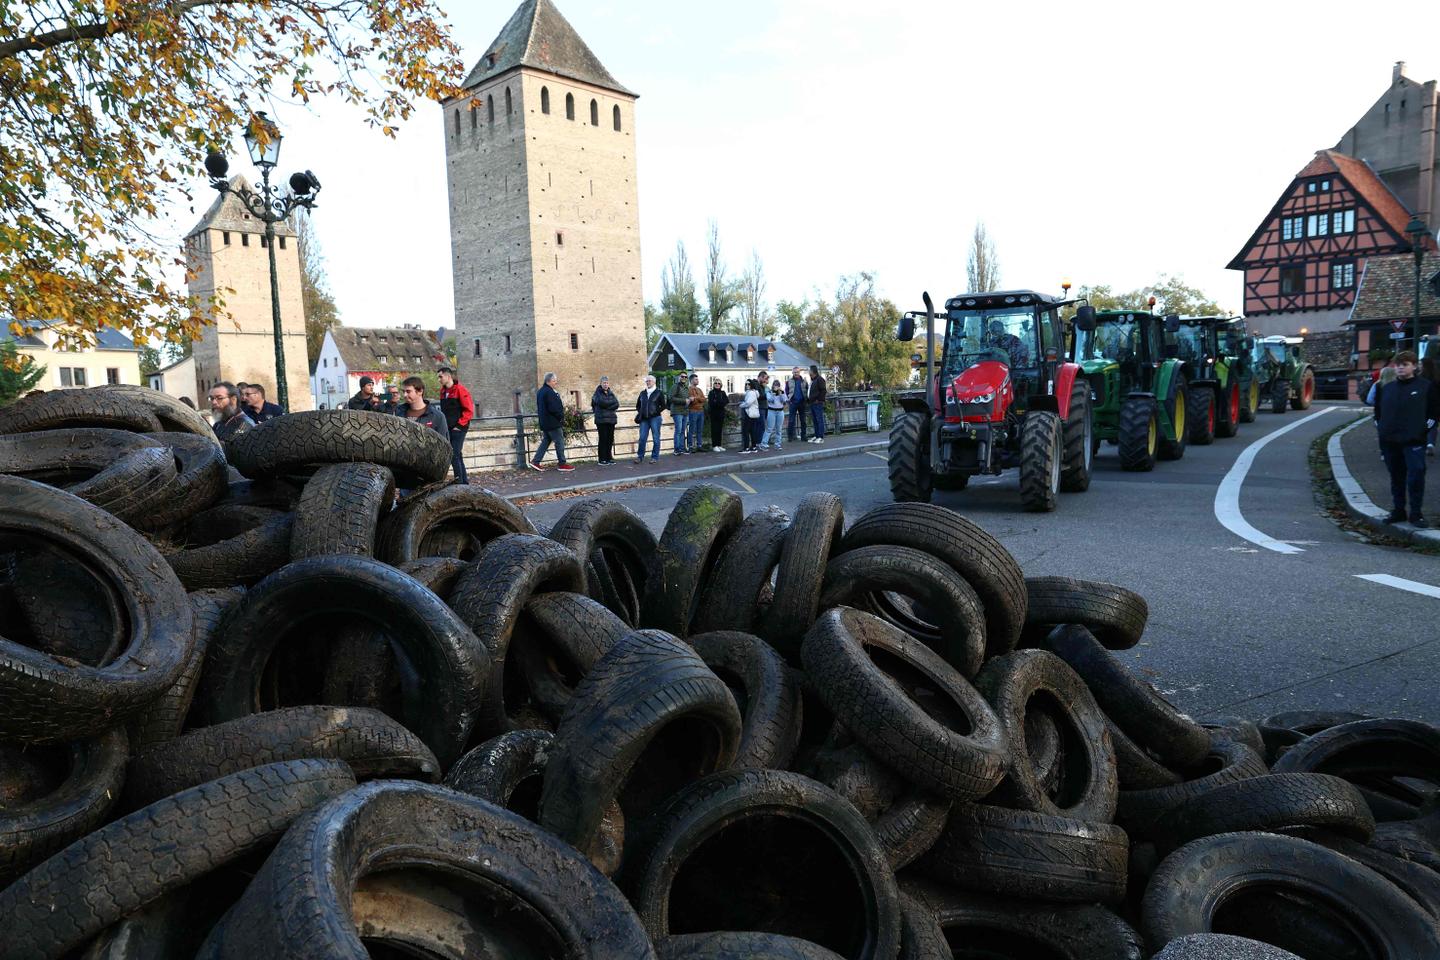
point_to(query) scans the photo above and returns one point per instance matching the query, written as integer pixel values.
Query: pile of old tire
(304, 715)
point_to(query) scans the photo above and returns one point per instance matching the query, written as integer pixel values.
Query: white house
(113, 359)
(177, 379)
(731, 359)
(385, 354)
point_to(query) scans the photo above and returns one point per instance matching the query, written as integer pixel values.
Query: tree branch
(92, 31)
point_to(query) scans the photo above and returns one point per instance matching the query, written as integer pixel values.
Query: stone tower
(544, 219)
(227, 249)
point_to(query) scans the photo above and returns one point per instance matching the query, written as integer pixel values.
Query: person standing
(817, 404)
(365, 398)
(225, 410)
(603, 407)
(774, 416)
(719, 403)
(459, 410)
(749, 416)
(680, 412)
(648, 407)
(415, 407)
(256, 407)
(797, 392)
(695, 413)
(552, 423)
(1406, 409)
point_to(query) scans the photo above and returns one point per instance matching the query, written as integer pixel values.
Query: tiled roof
(538, 36)
(362, 347)
(689, 347)
(105, 339)
(1366, 182)
(229, 213)
(1387, 288)
(1329, 350)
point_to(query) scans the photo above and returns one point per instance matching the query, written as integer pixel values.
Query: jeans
(650, 427)
(774, 420)
(817, 415)
(797, 416)
(693, 430)
(555, 436)
(607, 441)
(1406, 463)
(680, 421)
(457, 449)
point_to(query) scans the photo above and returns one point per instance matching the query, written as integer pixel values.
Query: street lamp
(1417, 230)
(269, 205)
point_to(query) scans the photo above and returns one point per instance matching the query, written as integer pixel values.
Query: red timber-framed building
(1304, 262)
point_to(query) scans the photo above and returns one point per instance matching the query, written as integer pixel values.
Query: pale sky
(1104, 142)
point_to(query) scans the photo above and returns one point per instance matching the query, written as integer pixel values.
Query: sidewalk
(521, 486)
(1365, 483)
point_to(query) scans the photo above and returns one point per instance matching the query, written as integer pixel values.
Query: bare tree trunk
(982, 268)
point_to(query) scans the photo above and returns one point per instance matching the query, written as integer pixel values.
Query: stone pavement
(1365, 483)
(526, 485)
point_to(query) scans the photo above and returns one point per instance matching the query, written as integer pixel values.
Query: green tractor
(1219, 391)
(1139, 397)
(1284, 375)
(1236, 347)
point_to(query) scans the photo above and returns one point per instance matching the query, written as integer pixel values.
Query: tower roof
(229, 213)
(538, 36)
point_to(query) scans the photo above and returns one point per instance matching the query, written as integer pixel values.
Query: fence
(501, 443)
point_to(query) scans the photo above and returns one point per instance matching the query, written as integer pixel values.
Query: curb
(709, 471)
(1359, 505)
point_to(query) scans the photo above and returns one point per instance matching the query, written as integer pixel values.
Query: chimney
(1397, 72)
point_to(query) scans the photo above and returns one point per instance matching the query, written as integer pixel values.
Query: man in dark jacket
(1405, 410)
(648, 407)
(680, 412)
(817, 404)
(252, 398)
(798, 391)
(420, 410)
(365, 398)
(603, 407)
(459, 409)
(552, 423)
(229, 418)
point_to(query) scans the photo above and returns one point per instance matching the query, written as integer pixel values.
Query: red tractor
(1003, 397)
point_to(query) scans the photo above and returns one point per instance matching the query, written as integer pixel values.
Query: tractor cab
(1132, 341)
(1283, 374)
(999, 352)
(1221, 389)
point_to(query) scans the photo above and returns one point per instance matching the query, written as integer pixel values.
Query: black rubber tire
(35, 827)
(60, 606)
(1238, 729)
(1283, 730)
(276, 494)
(716, 857)
(684, 559)
(1198, 416)
(1385, 747)
(246, 558)
(47, 700)
(452, 520)
(979, 926)
(1275, 803)
(730, 599)
(647, 719)
(1139, 421)
(621, 537)
(1134, 766)
(199, 484)
(767, 696)
(304, 901)
(1182, 897)
(163, 719)
(437, 574)
(1179, 400)
(1225, 425)
(123, 473)
(564, 634)
(1279, 396)
(64, 409)
(450, 662)
(911, 479)
(489, 597)
(732, 945)
(1417, 882)
(1250, 401)
(1135, 706)
(809, 545)
(371, 744)
(339, 510)
(1027, 680)
(1041, 456)
(974, 553)
(858, 578)
(905, 704)
(173, 415)
(125, 865)
(921, 936)
(295, 444)
(1030, 856)
(1078, 435)
(1227, 762)
(1115, 615)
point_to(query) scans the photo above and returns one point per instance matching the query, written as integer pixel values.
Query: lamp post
(270, 206)
(1417, 230)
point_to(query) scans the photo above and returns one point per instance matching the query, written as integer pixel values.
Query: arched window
(474, 119)
(615, 115)
(545, 100)
(594, 114)
(457, 124)
(490, 108)
(509, 106)
(569, 106)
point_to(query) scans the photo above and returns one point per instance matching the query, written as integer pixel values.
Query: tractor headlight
(981, 398)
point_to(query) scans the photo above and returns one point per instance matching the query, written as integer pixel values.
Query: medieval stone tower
(227, 248)
(544, 219)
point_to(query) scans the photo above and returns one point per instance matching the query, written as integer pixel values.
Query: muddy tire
(1134, 766)
(1279, 396)
(811, 541)
(163, 719)
(295, 444)
(623, 540)
(684, 559)
(1283, 730)
(246, 558)
(1269, 804)
(447, 520)
(60, 607)
(911, 478)
(199, 483)
(731, 598)
(565, 634)
(718, 857)
(731, 945)
(65, 409)
(1200, 416)
(1138, 434)
(767, 696)
(339, 510)
(1041, 455)
(1078, 439)
(1368, 748)
(1115, 615)
(1227, 762)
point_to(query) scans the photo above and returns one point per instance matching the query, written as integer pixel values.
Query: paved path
(1235, 627)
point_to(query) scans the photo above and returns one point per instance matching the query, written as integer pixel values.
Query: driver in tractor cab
(1002, 339)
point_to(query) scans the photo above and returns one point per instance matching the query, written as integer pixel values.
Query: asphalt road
(1235, 627)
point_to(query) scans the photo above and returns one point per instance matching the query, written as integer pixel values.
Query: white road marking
(742, 484)
(877, 456)
(1227, 497)
(1399, 583)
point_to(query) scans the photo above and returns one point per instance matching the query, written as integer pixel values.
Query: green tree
(150, 360)
(1172, 295)
(321, 313)
(18, 373)
(722, 294)
(865, 347)
(806, 325)
(982, 266)
(451, 352)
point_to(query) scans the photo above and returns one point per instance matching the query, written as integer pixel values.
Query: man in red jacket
(459, 409)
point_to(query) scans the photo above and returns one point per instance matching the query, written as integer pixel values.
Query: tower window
(244, 239)
(545, 100)
(477, 347)
(507, 343)
(517, 401)
(474, 120)
(226, 235)
(575, 399)
(490, 109)
(574, 341)
(615, 114)
(594, 114)
(509, 105)
(282, 243)
(569, 106)
(559, 238)
(457, 124)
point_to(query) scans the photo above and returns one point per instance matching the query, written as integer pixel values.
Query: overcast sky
(1103, 142)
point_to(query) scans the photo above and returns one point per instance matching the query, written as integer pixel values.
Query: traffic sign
(1399, 324)
(1398, 336)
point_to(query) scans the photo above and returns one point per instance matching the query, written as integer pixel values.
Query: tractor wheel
(1279, 395)
(1079, 434)
(1306, 393)
(1041, 455)
(910, 458)
(1139, 428)
(1174, 448)
(1227, 421)
(1251, 402)
(1202, 416)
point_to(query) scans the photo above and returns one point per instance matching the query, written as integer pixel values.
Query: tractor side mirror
(1085, 318)
(906, 331)
(1172, 323)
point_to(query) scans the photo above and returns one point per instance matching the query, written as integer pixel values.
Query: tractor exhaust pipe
(930, 353)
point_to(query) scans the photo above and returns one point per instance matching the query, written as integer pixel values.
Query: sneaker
(565, 467)
(536, 467)
(1395, 516)
(654, 459)
(717, 449)
(1418, 521)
